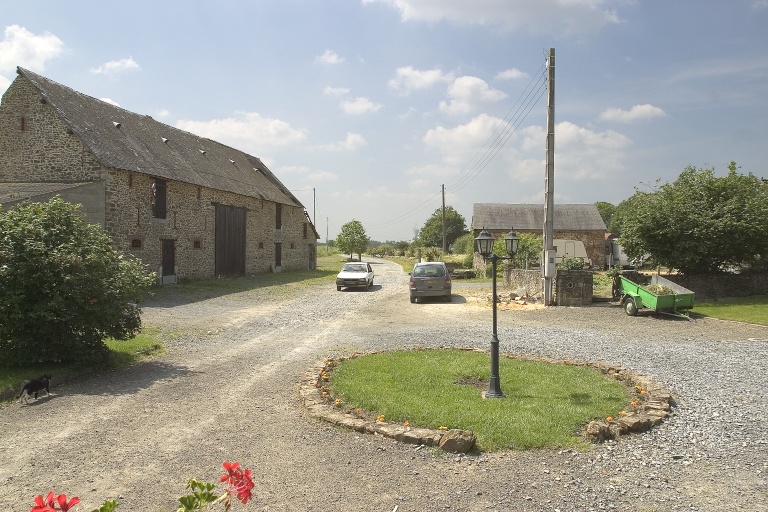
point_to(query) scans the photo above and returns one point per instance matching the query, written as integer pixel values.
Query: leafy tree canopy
(431, 235)
(63, 288)
(352, 238)
(607, 211)
(699, 224)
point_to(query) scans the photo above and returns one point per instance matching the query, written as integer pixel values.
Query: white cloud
(247, 131)
(555, 17)
(20, 47)
(110, 101)
(329, 57)
(115, 67)
(468, 93)
(359, 106)
(581, 154)
(636, 113)
(459, 144)
(511, 74)
(307, 173)
(163, 113)
(335, 91)
(320, 176)
(408, 79)
(352, 142)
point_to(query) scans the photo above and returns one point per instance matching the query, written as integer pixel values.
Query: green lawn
(545, 404)
(753, 310)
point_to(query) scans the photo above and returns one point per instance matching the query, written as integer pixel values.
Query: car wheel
(447, 298)
(338, 288)
(413, 299)
(630, 307)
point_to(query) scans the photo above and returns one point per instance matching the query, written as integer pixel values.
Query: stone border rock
(651, 406)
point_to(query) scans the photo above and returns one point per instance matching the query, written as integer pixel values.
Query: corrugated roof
(125, 140)
(567, 217)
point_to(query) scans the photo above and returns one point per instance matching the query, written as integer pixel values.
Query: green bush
(63, 288)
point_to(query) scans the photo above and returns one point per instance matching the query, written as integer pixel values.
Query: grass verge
(753, 310)
(121, 353)
(545, 405)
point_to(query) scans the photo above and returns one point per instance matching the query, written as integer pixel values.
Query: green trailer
(634, 297)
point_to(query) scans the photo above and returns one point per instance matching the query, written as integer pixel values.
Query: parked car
(356, 274)
(430, 279)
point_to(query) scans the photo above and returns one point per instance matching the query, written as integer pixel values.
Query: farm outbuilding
(579, 222)
(188, 206)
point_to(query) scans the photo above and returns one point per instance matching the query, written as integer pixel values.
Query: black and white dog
(34, 386)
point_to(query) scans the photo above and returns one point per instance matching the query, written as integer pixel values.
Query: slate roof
(567, 217)
(17, 192)
(133, 142)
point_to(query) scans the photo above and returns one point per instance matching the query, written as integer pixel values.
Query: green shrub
(63, 288)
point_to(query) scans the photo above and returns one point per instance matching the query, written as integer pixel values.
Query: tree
(63, 288)
(700, 223)
(352, 238)
(607, 210)
(431, 235)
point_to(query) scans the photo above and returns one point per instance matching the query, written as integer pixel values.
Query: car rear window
(429, 271)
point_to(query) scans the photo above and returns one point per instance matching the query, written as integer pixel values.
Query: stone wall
(722, 286)
(594, 242)
(573, 288)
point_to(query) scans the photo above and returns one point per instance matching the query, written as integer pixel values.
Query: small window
(23, 124)
(137, 243)
(292, 245)
(278, 216)
(261, 245)
(159, 199)
(305, 230)
(197, 244)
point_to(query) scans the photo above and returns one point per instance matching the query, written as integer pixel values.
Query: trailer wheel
(630, 307)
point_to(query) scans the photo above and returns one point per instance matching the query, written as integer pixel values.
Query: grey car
(430, 279)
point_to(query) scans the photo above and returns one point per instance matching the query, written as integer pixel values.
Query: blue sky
(364, 108)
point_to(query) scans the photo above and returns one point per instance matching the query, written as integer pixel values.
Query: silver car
(430, 279)
(355, 274)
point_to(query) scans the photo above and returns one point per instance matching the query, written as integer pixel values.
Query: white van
(570, 249)
(615, 257)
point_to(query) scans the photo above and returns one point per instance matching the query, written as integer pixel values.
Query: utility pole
(549, 254)
(445, 245)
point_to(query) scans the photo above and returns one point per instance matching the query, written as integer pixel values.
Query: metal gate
(230, 240)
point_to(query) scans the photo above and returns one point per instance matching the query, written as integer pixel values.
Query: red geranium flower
(49, 503)
(239, 482)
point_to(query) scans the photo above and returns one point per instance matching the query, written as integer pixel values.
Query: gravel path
(227, 390)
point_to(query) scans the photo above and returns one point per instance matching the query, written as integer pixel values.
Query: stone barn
(188, 206)
(581, 222)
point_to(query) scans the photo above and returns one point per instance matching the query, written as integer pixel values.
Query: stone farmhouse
(580, 222)
(188, 206)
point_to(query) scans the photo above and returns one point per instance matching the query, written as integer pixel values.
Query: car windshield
(429, 271)
(354, 268)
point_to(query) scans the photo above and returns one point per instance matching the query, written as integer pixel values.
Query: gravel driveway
(227, 390)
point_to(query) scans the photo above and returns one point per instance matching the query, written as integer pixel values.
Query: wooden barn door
(168, 261)
(230, 240)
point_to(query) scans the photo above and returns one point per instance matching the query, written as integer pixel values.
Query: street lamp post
(484, 244)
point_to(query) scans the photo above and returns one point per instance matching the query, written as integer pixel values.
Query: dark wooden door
(230, 240)
(168, 262)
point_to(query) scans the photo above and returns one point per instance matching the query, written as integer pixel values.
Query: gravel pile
(227, 390)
